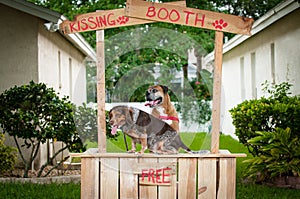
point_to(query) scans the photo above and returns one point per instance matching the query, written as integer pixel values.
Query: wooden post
(217, 92)
(101, 91)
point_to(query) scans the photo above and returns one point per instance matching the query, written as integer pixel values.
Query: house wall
(61, 66)
(273, 54)
(18, 47)
(29, 52)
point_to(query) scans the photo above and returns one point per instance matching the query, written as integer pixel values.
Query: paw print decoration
(220, 24)
(122, 20)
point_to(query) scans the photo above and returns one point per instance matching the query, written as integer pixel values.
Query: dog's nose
(147, 93)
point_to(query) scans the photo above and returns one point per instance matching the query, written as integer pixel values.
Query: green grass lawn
(199, 141)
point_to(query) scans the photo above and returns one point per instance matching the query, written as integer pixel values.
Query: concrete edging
(44, 180)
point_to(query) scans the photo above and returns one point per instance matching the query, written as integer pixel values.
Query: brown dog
(151, 132)
(157, 97)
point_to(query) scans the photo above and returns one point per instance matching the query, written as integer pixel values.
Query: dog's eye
(154, 90)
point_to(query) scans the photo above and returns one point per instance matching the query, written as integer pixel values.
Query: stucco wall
(29, 52)
(256, 53)
(61, 66)
(18, 47)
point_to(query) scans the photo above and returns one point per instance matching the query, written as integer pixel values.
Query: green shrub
(266, 114)
(35, 114)
(8, 156)
(86, 124)
(281, 156)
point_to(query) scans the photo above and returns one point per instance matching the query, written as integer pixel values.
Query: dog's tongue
(151, 103)
(114, 130)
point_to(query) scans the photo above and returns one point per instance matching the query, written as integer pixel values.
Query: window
(273, 63)
(242, 78)
(59, 70)
(70, 79)
(253, 76)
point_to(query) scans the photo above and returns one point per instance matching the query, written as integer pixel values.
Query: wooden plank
(101, 119)
(148, 192)
(145, 165)
(103, 20)
(217, 92)
(109, 176)
(168, 191)
(155, 173)
(90, 178)
(207, 178)
(128, 180)
(180, 155)
(227, 182)
(188, 16)
(187, 171)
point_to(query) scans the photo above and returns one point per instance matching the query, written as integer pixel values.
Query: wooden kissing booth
(183, 176)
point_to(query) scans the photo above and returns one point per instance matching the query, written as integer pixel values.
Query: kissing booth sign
(120, 175)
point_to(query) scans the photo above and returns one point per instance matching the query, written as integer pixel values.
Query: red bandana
(169, 118)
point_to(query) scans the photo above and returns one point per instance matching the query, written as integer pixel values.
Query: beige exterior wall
(61, 66)
(29, 52)
(18, 57)
(273, 54)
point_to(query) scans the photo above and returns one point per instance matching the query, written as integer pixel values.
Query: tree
(36, 114)
(119, 64)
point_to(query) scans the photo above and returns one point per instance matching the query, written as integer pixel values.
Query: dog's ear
(129, 115)
(165, 88)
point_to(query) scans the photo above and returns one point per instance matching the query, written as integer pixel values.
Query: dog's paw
(131, 151)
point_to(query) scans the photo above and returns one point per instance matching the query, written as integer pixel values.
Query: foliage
(151, 46)
(71, 190)
(279, 157)
(8, 156)
(266, 114)
(36, 114)
(86, 124)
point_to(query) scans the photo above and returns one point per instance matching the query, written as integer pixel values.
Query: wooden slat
(215, 134)
(187, 171)
(168, 191)
(101, 91)
(128, 180)
(148, 192)
(180, 155)
(103, 20)
(207, 175)
(109, 176)
(188, 16)
(90, 178)
(227, 183)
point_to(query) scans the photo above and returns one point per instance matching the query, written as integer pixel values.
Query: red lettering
(72, 28)
(201, 20)
(166, 14)
(187, 16)
(164, 175)
(158, 180)
(85, 26)
(176, 13)
(110, 22)
(151, 175)
(144, 173)
(151, 12)
(101, 20)
(91, 20)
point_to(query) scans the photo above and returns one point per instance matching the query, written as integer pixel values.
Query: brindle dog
(151, 132)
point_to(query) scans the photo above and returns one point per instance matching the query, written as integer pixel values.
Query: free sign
(188, 16)
(155, 173)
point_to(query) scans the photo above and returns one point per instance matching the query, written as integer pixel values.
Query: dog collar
(169, 118)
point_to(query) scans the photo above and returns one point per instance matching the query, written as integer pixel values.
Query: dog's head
(155, 95)
(119, 116)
